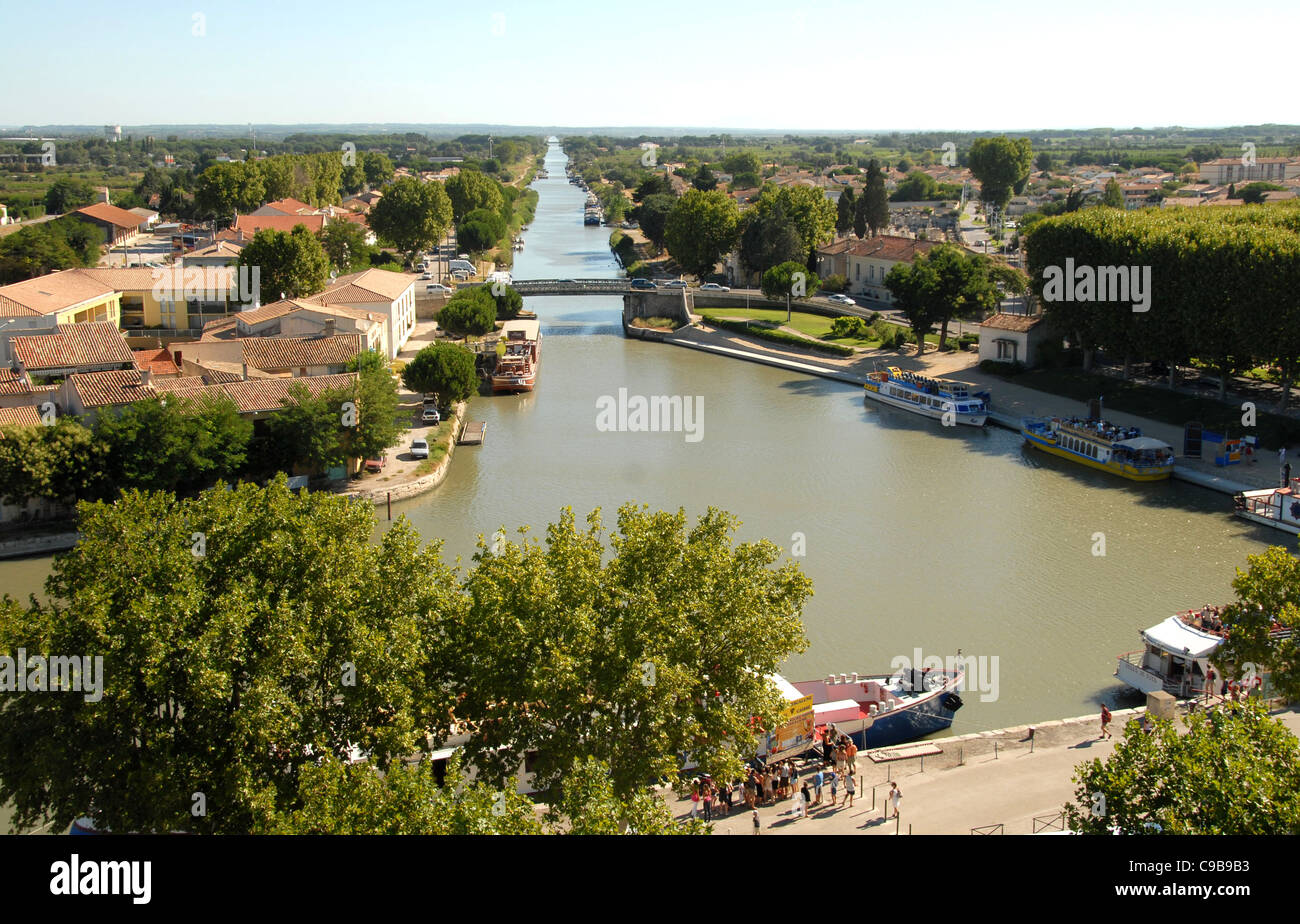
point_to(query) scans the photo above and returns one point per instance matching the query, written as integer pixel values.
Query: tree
(587, 804)
(344, 243)
(1113, 197)
(657, 645)
(844, 210)
(701, 228)
(67, 194)
(806, 208)
(1254, 193)
(1002, 167)
(789, 280)
(377, 427)
(918, 187)
(309, 431)
(470, 311)
(470, 190)
(656, 184)
(412, 216)
(944, 283)
(36, 250)
(872, 207)
(509, 303)
(291, 264)
(247, 634)
(480, 230)
(378, 168)
(742, 163)
(340, 798)
(226, 189)
(1044, 162)
(704, 180)
(1268, 598)
(442, 369)
(59, 462)
(1234, 771)
(768, 240)
(652, 216)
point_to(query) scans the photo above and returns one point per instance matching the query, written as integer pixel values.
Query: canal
(916, 536)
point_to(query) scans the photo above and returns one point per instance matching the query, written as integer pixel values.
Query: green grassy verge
(780, 336)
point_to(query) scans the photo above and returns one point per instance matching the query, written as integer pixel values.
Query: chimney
(146, 378)
(245, 372)
(103, 195)
(330, 326)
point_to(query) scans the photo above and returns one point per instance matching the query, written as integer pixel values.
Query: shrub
(469, 311)
(849, 326)
(836, 283)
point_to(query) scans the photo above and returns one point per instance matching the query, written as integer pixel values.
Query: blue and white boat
(875, 710)
(950, 402)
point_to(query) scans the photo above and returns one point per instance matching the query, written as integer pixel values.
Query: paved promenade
(967, 786)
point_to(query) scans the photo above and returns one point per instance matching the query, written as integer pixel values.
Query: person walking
(1105, 723)
(807, 798)
(818, 779)
(757, 824)
(849, 789)
(835, 787)
(895, 796)
(706, 798)
(695, 800)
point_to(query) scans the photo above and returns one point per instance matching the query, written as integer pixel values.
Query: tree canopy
(1002, 167)
(700, 229)
(412, 216)
(290, 263)
(442, 369)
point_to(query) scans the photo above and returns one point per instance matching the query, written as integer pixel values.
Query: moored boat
(516, 371)
(1093, 442)
(950, 402)
(875, 710)
(1276, 507)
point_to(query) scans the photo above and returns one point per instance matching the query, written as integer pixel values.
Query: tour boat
(1276, 507)
(951, 402)
(1178, 654)
(875, 710)
(517, 370)
(1093, 442)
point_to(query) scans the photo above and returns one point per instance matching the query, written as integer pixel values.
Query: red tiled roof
(159, 362)
(51, 293)
(116, 386)
(884, 247)
(366, 286)
(251, 224)
(90, 343)
(1018, 323)
(112, 215)
(20, 417)
(291, 206)
(259, 395)
(285, 353)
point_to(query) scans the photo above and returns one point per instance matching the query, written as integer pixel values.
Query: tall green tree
(224, 190)
(805, 207)
(767, 240)
(310, 431)
(652, 216)
(1113, 196)
(378, 168)
(1002, 167)
(632, 647)
(789, 280)
(844, 211)
(700, 229)
(442, 369)
(290, 264)
(704, 179)
(471, 311)
(1268, 599)
(376, 428)
(872, 207)
(66, 194)
(1235, 771)
(470, 190)
(345, 245)
(412, 216)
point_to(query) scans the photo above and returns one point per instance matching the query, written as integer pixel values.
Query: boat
(516, 371)
(1094, 442)
(1276, 507)
(1177, 654)
(951, 402)
(875, 710)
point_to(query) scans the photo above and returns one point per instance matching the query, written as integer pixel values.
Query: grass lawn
(439, 440)
(1161, 404)
(810, 325)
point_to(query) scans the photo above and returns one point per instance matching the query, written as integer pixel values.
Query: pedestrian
(849, 789)
(895, 796)
(757, 823)
(695, 800)
(1105, 723)
(1286, 474)
(785, 779)
(818, 779)
(835, 786)
(807, 798)
(706, 797)
(797, 810)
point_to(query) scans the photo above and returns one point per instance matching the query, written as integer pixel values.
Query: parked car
(431, 415)
(840, 300)
(675, 284)
(426, 276)
(640, 283)
(437, 288)
(377, 464)
(419, 449)
(714, 287)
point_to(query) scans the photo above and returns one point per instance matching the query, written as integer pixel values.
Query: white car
(714, 287)
(419, 449)
(437, 288)
(841, 300)
(675, 284)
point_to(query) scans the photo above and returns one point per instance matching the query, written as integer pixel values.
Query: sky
(836, 66)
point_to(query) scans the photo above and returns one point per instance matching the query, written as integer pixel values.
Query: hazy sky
(901, 64)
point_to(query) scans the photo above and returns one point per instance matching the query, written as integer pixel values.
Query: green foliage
(226, 189)
(1234, 771)
(871, 211)
(849, 326)
(64, 243)
(444, 369)
(845, 207)
(339, 798)
(377, 167)
(308, 431)
(1113, 197)
(469, 311)
(412, 216)
(345, 245)
(704, 180)
(66, 194)
(779, 336)
(1253, 193)
(652, 216)
(789, 280)
(470, 190)
(1268, 598)
(835, 283)
(657, 184)
(1002, 167)
(509, 303)
(623, 247)
(291, 263)
(587, 804)
(806, 208)
(701, 227)
(945, 283)
(377, 426)
(60, 462)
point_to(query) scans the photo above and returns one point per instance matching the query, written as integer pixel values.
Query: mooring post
(390, 505)
(995, 750)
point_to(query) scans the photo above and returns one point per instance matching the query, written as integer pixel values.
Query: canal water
(916, 536)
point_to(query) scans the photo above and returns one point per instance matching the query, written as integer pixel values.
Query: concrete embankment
(46, 544)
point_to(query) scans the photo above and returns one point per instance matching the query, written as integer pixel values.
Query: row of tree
(949, 283)
(1223, 285)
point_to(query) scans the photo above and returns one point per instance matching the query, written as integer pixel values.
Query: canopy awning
(1143, 442)
(1176, 637)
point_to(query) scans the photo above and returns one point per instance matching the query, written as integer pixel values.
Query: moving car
(714, 287)
(840, 299)
(675, 284)
(419, 449)
(640, 283)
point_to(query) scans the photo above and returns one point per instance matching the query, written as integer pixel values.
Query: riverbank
(995, 782)
(1010, 401)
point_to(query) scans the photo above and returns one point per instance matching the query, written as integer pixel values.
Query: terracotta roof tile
(885, 247)
(251, 224)
(159, 362)
(20, 417)
(112, 215)
(1018, 323)
(91, 343)
(50, 293)
(116, 386)
(367, 286)
(285, 352)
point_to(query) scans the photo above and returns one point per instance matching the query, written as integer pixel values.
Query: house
(251, 224)
(288, 206)
(1233, 170)
(866, 263)
(92, 346)
(180, 298)
(17, 389)
(148, 218)
(1010, 338)
(120, 227)
(45, 302)
(219, 253)
(379, 292)
(26, 416)
(159, 362)
(302, 356)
